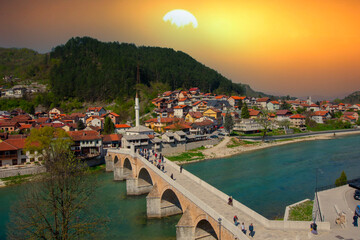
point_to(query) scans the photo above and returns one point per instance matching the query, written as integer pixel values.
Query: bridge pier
(119, 174)
(185, 228)
(153, 203)
(109, 164)
(134, 188)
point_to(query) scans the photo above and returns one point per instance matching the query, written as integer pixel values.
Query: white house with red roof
(86, 143)
(121, 128)
(262, 102)
(273, 105)
(234, 100)
(320, 116)
(283, 115)
(181, 110)
(184, 101)
(11, 153)
(355, 115)
(297, 120)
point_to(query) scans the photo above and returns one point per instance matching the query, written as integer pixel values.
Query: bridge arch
(170, 203)
(204, 230)
(144, 177)
(127, 167)
(116, 161)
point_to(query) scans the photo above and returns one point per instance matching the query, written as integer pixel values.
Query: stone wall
(14, 171)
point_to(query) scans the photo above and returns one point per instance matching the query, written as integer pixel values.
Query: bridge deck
(221, 206)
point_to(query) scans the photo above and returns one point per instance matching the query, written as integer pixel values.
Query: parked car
(357, 195)
(214, 136)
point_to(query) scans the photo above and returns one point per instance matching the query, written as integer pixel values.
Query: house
(159, 124)
(112, 140)
(95, 111)
(53, 113)
(356, 107)
(262, 102)
(254, 114)
(349, 118)
(297, 120)
(159, 102)
(115, 118)
(9, 126)
(283, 115)
(194, 90)
(139, 130)
(79, 116)
(94, 121)
(138, 141)
(355, 115)
(121, 128)
(165, 112)
(181, 110)
(248, 126)
(185, 127)
(180, 136)
(184, 101)
(213, 113)
(199, 106)
(68, 127)
(273, 105)
(234, 100)
(11, 153)
(168, 137)
(86, 143)
(202, 127)
(221, 97)
(321, 116)
(193, 116)
(314, 107)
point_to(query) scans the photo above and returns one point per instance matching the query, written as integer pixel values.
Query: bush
(342, 180)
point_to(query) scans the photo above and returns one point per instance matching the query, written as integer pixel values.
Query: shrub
(342, 180)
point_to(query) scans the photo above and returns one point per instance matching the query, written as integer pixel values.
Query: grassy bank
(234, 142)
(190, 155)
(18, 179)
(301, 212)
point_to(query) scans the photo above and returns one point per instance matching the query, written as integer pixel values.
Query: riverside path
(205, 209)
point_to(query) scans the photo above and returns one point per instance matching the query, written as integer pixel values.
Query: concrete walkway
(342, 198)
(221, 206)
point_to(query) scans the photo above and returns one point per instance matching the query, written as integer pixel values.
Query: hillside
(24, 64)
(94, 70)
(352, 98)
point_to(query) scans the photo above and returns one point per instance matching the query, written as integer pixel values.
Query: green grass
(236, 143)
(301, 212)
(18, 179)
(97, 168)
(191, 155)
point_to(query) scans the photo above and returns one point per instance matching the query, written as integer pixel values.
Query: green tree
(108, 126)
(229, 122)
(285, 106)
(240, 104)
(245, 112)
(342, 180)
(80, 125)
(59, 205)
(264, 122)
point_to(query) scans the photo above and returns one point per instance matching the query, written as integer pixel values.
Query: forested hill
(92, 70)
(352, 98)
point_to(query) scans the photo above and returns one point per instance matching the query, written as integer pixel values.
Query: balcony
(10, 156)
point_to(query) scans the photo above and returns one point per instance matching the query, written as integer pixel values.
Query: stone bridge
(204, 209)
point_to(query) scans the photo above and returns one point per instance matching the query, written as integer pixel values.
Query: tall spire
(137, 105)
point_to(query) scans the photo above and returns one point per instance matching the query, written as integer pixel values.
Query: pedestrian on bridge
(236, 220)
(181, 167)
(243, 228)
(355, 218)
(251, 230)
(230, 201)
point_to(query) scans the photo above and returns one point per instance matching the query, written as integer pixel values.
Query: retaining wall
(21, 171)
(170, 150)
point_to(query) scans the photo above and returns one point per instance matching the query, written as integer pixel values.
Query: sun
(181, 18)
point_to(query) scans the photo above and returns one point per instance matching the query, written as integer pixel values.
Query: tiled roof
(297, 116)
(180, 106)
(282, 112)
(195, 114)
(122, 126)
(265, 99)
(84, 135)
(112, 138)
(320, 113)
(95, 109)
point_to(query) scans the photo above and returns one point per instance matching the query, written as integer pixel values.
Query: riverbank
(228, 147)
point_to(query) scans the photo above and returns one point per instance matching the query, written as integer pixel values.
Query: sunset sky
(282, 47)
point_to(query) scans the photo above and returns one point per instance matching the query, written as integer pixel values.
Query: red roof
(297, 116)
(195, 114)
(112, 138)
(350, 117)
(122, 126)
(253, 112)
(320, 113)
(265, 99)
(4, 146)
(275, 102)
(26, 126)
(282, 112)
(237, 97)
(194, 89)
(178, 126)
(183, 99)
(84, 135)
(220, 96)
(180, 106)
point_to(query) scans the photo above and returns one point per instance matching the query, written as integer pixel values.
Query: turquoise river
(266, 180)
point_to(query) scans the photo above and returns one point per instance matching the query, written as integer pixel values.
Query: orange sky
(276, 46)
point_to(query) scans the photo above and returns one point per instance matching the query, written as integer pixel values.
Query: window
(14, 162)
(32, 159)
(0, 163)
(23, 160)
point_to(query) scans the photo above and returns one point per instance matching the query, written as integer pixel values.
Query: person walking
(243, 228)
(172, 176)
(230, 201)
(181, 167)
(355, 218)
(251, 230)
(236, 220)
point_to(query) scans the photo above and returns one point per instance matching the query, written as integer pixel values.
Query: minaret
(137, 106)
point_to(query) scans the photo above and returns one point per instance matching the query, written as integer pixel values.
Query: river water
(266, 180)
